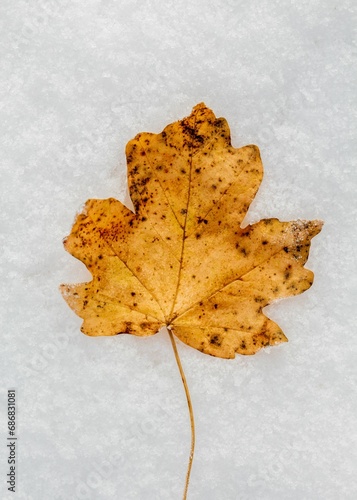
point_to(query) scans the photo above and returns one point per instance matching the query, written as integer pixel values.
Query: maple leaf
(182, 260)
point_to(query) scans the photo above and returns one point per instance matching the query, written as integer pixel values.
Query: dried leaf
(182, 259)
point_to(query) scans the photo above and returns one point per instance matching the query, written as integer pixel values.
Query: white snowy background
(106, 418)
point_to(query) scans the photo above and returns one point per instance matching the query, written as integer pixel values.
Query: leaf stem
(189, 404)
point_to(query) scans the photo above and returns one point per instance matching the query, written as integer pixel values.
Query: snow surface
(106, 418)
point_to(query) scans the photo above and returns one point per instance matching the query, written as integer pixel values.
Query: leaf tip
(199, 106)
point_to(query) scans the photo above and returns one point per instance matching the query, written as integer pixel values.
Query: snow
(106, 418)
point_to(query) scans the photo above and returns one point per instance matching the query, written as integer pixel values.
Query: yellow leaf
(182, 259)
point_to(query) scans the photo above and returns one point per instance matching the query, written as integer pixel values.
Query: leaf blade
(182, 259)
